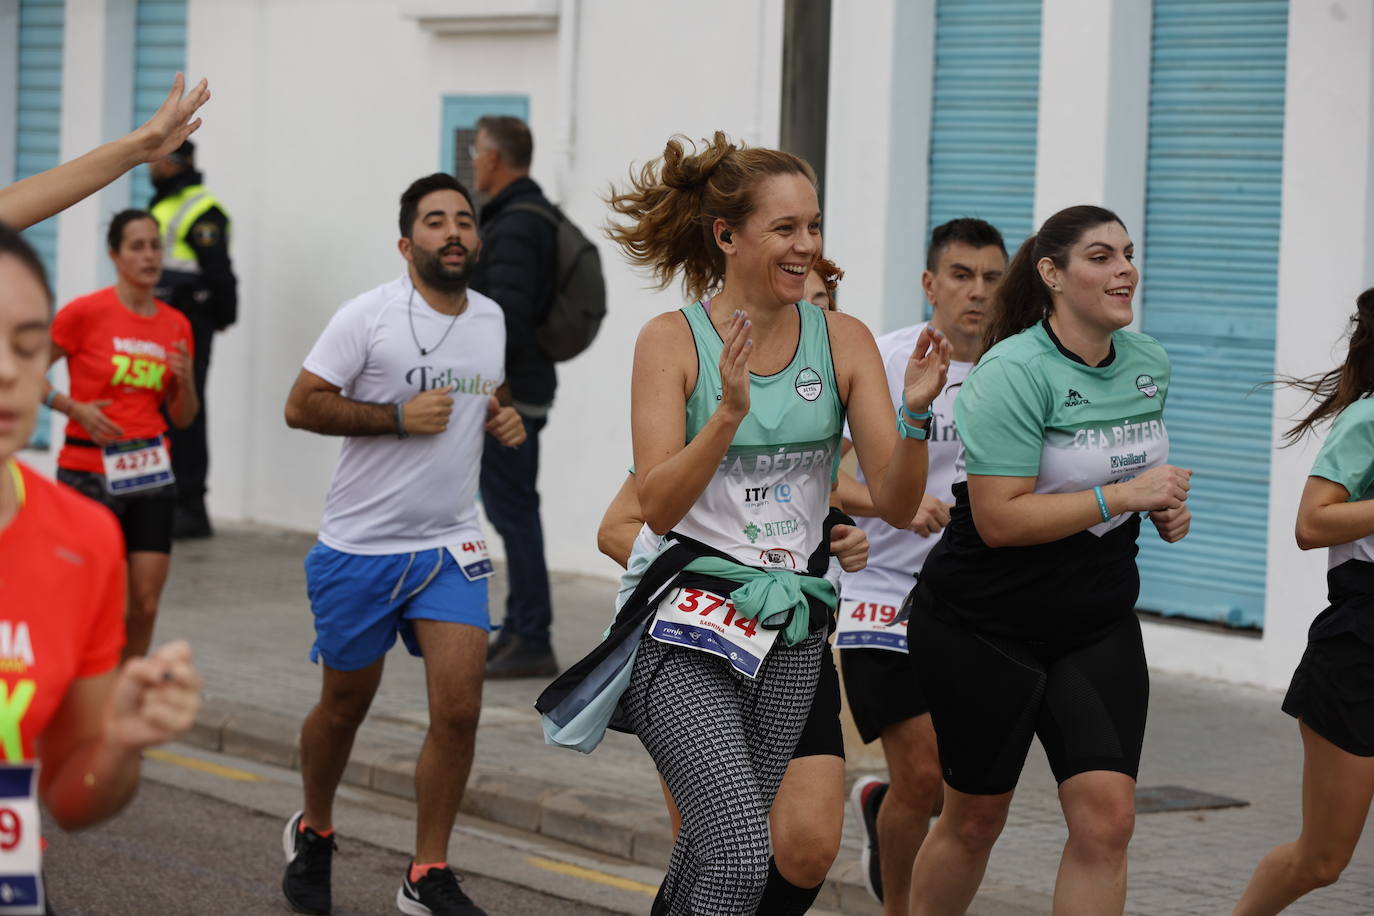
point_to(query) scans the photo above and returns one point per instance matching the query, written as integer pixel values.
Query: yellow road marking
(205, 766)
(591, 874)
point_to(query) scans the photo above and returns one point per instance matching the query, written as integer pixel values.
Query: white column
(1325, 246)
(1094, 107)
(877, 156)
(97, 106)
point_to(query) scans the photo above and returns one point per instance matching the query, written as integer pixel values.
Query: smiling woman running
(737, 411)
(1023, 619)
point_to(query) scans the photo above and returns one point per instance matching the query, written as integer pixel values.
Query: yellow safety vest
(175, 216)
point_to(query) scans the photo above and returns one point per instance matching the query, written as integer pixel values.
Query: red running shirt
(61, 604)
(117, 356)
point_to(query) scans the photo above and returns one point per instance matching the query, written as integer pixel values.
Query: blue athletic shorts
(361, 602)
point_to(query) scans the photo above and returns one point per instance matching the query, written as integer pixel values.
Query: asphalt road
(174, 850)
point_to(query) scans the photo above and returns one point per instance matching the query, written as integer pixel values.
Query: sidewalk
(240, 600)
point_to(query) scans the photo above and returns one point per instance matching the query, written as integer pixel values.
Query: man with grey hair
(518, 270)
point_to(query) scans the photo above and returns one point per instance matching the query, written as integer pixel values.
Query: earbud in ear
(725, 236)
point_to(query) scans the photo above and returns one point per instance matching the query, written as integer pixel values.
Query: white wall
(309, 142)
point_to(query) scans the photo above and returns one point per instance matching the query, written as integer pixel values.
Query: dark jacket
(518, 269)
(210, 297)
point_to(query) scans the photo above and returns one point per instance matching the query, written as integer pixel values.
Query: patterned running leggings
(722, 742)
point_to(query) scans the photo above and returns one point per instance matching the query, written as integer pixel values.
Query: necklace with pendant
(410, 313)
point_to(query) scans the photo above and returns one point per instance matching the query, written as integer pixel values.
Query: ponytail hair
(1022, 299)
(671, 203)
(1347, 383)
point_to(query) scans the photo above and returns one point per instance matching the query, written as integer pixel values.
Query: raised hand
(734, 365)
(101, 428)
(505, 424)
(155, 698)
(171, 124)
(427, 413)
(926, 370)
(849, 545)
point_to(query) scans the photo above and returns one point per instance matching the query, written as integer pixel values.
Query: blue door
(38, 128)
(1209, 280)
(159, 52)
(459, 131)
(984, 113)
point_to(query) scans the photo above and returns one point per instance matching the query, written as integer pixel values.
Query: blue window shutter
(38, 128)
(985, 113)
(1210, 281)
(159, 52)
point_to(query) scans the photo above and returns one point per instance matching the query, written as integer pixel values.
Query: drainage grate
(1154, 799)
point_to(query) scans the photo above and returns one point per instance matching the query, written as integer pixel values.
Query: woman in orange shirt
(129, 357)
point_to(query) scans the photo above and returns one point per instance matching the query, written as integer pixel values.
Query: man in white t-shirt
(411, 374)
(964, 263)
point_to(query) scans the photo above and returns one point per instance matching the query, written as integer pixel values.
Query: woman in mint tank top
(738, 404)
(1332, 692)
(1023, 620)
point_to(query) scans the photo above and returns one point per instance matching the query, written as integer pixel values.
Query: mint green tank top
(767, 501)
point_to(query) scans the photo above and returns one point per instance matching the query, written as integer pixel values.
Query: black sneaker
(521, 659)
(438, 892)
(308, 858)
(191, 522)
(865, 799)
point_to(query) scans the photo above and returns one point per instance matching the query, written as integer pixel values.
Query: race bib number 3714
(708, 622)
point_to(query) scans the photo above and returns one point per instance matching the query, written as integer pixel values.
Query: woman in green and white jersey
(1023, 619)
(738, 402)
(1332, 693)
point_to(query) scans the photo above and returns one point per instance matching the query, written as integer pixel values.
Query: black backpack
(579, 293)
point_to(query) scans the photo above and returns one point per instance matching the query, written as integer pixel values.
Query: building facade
(1234, 137)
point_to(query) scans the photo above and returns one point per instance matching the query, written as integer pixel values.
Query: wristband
(51, 399)
(914, 417)
(1102, 504)
(916, 430)
(401, 421)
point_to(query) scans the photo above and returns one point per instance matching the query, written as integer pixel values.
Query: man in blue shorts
(411, 375)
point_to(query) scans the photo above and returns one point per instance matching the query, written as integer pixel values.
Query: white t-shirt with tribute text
(392, 495)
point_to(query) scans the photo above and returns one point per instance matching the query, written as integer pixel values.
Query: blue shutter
(38, 128)
(985, 112)
(1210, 275)
(159, 52)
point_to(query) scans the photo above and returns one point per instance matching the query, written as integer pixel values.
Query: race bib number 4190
(708, 622)
(870, 625)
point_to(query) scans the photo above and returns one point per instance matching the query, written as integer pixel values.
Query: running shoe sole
(866, 855)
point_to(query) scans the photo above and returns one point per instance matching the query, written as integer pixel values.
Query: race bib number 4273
(708, 622)
(870, 625)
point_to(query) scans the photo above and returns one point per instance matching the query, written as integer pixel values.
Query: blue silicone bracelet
(1102, 504)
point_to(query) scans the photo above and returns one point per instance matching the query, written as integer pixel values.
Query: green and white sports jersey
(1347, 458)
(1031, 408)
(767, 501)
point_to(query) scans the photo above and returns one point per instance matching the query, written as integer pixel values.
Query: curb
(597, 821)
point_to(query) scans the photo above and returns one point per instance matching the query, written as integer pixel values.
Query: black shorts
(822, 734)
(882, 690)
(146, 518)
(1333, 692)
(988, 695)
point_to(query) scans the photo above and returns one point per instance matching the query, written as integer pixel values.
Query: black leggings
(1086, 700)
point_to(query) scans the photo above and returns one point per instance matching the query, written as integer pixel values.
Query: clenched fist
(505, 424)
(427, 413)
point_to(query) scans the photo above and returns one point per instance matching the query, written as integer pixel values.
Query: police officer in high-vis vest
(198, 280)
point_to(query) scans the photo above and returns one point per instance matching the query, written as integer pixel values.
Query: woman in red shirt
(128, 357)
(62, 701)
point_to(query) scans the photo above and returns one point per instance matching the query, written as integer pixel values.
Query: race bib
(870, 625)
(21, 851)
(708, 622)
(473, 559)
(137, 464)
